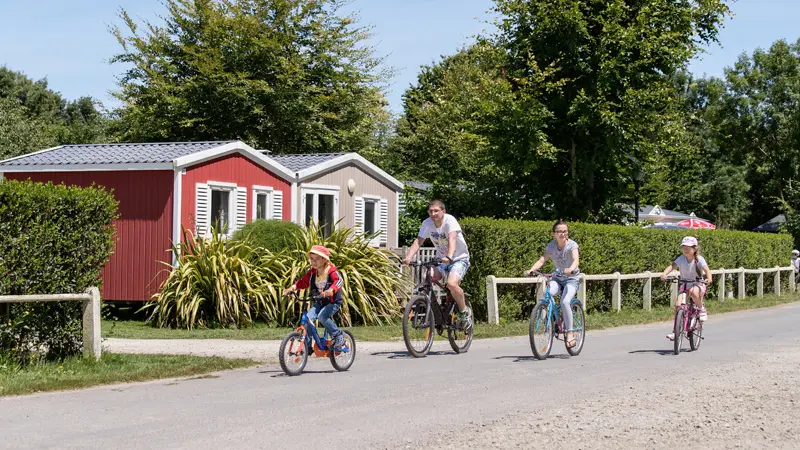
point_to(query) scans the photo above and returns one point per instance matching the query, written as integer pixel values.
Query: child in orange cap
(324, 281)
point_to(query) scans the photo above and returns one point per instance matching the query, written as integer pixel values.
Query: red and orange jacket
(334, 282)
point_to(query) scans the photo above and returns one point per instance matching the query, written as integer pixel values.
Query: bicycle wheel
(342, 358)
(541, 331)
(578, 328)
(696, 335)
(678, 330)
(293, 355)
(418, 327)
(460, 339)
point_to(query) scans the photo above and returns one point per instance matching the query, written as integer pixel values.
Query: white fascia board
(235, 147)
(87, 167)
(359, 160)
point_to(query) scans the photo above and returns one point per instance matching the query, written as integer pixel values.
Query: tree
(698, 174)
(19, 133)
(34, 117)
(288, 76)
(602, 70)
(760, 125)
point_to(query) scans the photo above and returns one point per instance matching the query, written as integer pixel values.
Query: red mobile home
(162, 187)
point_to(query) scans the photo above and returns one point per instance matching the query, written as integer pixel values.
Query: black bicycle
(425, 314)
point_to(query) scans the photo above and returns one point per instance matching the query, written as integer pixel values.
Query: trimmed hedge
(506, 248)
(53, 239)
(273, 235)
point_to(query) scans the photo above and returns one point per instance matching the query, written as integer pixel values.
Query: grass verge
(80, 372)
(595, 321)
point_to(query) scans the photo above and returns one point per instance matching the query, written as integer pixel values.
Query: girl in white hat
(692, 267)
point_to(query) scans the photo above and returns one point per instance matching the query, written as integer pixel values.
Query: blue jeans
(325, 313)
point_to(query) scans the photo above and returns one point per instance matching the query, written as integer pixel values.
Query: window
(369, 216)
(220, 209)
(262, 205)
(321, 207)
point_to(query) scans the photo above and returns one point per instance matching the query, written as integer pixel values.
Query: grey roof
(158, 152)
(647, 210)
(773, 225)
(297, 163)
(419, 185)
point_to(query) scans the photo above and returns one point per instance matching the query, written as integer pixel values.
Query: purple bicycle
(687, 317)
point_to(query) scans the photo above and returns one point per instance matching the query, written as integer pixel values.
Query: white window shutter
(384, 221)
(358, 215)
(277, 205)
(202, 209)
(241, 209)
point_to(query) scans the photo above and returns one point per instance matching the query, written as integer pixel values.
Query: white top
(439, 237)
(688, 269)
(562, 257)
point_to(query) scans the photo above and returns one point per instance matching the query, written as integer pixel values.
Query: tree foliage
(288, 76)
(33, 117)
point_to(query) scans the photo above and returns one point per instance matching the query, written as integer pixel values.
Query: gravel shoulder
(751, 403)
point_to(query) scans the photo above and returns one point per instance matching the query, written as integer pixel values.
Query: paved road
(625, 391)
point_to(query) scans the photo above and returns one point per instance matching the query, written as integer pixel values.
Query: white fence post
(721, 286)
(616, 293)
(582, 292)
(741, 292)
(760, 283)
(777, 281)
(648, 291)
(91, 325)
(792, 285)
(491, 300)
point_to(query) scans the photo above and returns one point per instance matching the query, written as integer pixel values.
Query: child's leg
(325, 316)
(697, 296)
(566, 312)
(313, 312)
(553, 288)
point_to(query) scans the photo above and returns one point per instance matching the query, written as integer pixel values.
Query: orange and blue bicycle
(304, 341)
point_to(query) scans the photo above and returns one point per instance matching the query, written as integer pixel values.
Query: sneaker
(465, 319)
(671, 336)
(338, 341)
(703, 314)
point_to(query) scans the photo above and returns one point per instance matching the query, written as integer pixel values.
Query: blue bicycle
(305, 340)
(546, 323)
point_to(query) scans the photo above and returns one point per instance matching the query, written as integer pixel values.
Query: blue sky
(69, 44)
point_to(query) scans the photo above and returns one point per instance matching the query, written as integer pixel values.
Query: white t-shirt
(796, 264)
(688, 269)
(439, 237)
(562, 257)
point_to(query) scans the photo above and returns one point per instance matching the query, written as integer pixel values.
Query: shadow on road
(531, 358)
(658, 352)
(280, 374)
(406, 355)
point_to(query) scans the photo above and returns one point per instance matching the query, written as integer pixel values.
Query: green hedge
(273, 235)
(53, 239)
(506, 248)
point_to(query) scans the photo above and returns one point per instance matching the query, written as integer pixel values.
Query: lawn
(596, 321)
(80, 372)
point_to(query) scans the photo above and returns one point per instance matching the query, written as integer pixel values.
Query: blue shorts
(459, 268)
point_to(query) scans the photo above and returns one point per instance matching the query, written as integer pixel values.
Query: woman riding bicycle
(325, 282)
(566, 277)
(692, 266)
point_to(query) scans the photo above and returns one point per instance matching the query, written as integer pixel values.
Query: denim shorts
(459, 268)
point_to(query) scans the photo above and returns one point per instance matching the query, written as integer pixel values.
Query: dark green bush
(273, 235)
(53, 239)
(505, 248)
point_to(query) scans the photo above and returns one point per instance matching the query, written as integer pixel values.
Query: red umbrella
(696, 223)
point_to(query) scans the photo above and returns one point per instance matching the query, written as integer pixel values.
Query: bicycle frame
(554, 312)
(321, 345)
(686, 303)
(426, 288)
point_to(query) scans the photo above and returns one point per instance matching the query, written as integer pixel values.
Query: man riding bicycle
(451, 250)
